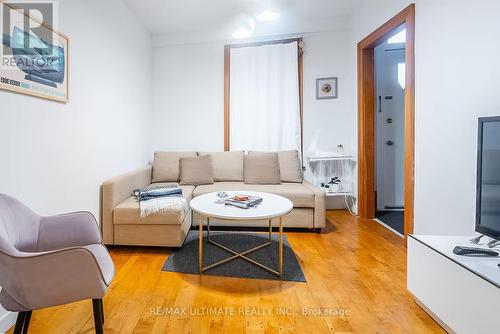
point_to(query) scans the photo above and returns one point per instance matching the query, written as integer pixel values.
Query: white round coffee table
(272, 206)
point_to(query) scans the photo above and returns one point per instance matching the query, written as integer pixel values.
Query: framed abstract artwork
(326, 88)
(34, 57)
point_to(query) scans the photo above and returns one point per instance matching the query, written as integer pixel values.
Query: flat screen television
(488, 178)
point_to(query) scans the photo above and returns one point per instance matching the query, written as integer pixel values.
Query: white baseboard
(388, 227)
(7, 320)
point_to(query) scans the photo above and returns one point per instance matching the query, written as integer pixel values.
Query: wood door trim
(366, 116)
(276, 41)
(301, 98)
(227, 97)
(227, 85)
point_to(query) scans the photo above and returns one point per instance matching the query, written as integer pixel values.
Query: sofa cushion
(166, 165)
(290, 168)
(301, 195)
(196, 170)
(127, 212)
(262, 168)
(227, 166)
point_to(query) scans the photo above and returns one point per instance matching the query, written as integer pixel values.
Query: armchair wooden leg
(27, 319)
(98, 318)
(23, 322)
(102, 311)
(20, 323)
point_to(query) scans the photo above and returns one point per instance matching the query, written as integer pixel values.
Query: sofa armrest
(115, 191)
(319, 205)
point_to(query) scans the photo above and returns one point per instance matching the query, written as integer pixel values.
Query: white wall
(54, 156)
(188, 97)
(456, 82)
(188, 94)
(328, 123)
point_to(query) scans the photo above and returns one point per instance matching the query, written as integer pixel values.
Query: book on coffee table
(244, 202)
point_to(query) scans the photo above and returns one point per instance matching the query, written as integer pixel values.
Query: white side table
(338, 165)
(342, 166)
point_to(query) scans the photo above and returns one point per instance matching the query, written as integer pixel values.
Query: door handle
(389, 143)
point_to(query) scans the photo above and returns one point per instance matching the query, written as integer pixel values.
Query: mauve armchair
(49, 261)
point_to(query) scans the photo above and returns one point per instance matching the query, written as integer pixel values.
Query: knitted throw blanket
(164, 205)
(161, 199)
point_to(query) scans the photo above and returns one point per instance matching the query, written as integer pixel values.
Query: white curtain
(264, 98)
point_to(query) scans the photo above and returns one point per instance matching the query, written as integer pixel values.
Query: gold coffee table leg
(200, 248)
(281, 247)
(242, 255)
(270, 230)
(208, 228)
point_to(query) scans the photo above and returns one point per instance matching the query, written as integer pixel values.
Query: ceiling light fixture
(245, 28)
(268, 16)
(242, 33)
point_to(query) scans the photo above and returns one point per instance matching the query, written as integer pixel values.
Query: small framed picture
(326, 88)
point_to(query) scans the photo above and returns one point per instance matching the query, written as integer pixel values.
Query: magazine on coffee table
(243, 201)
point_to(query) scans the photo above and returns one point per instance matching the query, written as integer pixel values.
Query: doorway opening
(390, 83)
(386, 134)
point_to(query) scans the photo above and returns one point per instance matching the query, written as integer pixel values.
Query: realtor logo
(33, 54)
(25, 29)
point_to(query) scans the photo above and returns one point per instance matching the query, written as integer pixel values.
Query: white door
(389, 120)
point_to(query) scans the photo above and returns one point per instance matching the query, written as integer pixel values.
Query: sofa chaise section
(121, 221)
(164, 229)
(115, 191)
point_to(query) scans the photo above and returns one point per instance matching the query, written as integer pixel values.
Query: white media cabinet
(461, 293)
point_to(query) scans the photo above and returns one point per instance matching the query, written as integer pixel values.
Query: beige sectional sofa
(120, 215)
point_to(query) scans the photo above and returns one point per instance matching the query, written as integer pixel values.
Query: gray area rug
(185, 260)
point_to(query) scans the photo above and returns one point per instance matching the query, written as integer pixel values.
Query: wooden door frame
(366, 116)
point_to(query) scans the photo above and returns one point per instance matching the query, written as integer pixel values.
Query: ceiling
(224, 16)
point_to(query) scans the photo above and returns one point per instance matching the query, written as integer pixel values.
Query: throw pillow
(196, 170)
(290, 168)
(227, 166)
(262, 168)
(166, 165)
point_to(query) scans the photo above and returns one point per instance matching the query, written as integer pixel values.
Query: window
(399, 38)
(402, 75)
(263, 97)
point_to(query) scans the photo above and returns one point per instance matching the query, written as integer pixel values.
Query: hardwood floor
(356, 267)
